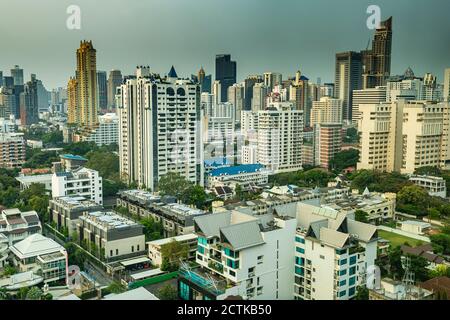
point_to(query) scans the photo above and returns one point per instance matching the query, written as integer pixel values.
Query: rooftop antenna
(408, 278)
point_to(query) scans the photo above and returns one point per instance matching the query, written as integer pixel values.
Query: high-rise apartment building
(326, 110)
(159, 128)
(260, 91)
(72, 102)
(17, 75)
(347, 78)
(236, 94)
(366, 96)
(102, 90)
(327, 143)
(279, 136)
(249, 83)
(225, 73)
(86, 75)
(404, 135)
(114, 80)
(272, 79)
(446, 93)
(377, 61)
(12, 150)
(299, 94)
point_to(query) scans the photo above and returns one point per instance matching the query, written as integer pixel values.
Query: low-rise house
(425, 251)
(41, 255)
(113, 236)
(435, 186)
(17, 225)
(155, 247)
(415, 227)
(439, 285)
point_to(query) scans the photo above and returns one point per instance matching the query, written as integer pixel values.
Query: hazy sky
(261, 35)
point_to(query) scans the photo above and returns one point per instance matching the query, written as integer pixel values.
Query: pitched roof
(210, 224)
(438, 284)
(366, 232)
(228, 171)
(35, 245)
(172, 73)
(333, 237)
(243, 235)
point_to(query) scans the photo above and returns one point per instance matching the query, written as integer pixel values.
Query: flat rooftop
(73, 202)
(108, 219)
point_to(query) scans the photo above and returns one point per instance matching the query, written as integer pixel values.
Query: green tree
(395, 263)
(9, 271)
(362, 293)
(152, 230)
(168, 292)
(172, 253)
(4, 294)
(173, 184)
(361, 216)
(35, 293)
(419, 267)
(195, 195)
(344, 159)
(115, 287)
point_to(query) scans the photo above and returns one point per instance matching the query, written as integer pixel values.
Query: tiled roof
(228, 171)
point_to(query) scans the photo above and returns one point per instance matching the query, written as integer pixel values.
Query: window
(341, 251)
(342, 272)
(299, 271)
(342, 293)
(342, 262)
(352, 270)
(301, 250)
(260, 259)
(352, 260)
(184, 291)
(132, 248)
(137, 247)
(342, 283)
(117, 252)
(110, 253)
(202, 241)
(201, 249)
(299, 239)
(351, 281)
(299, 261)
(351, 291)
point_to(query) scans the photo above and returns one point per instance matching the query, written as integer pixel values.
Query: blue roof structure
(72, 157)
(302, 77)
(216, 162)
(229, 171)
(172, 73)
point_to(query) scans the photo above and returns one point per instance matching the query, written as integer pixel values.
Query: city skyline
(298, 45)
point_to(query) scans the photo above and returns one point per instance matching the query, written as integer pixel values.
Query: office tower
(8, 82)
(204, 81)
(29, 109)
(347, 78)
(431, 90)
(17, 75)
(159, 128)
(201, 76)
(326, 110)
(377, 61)
(272, 79)
(225, 73)
(114, 80)
(87, 100)
(217, 92)
(249, 82)
(72, 102)
(327, 90)
(260, 91)
(279, 137)
(313, 92)
(7, 102)
(1, 78)
(102, 90)
(236, 97)
(207, 102)
(42, 93)
(446, 94)
(403, 136)
(366, 96)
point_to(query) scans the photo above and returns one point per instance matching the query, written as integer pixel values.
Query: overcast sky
(261, 35)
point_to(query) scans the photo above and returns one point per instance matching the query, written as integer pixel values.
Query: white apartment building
(260, 92)
(257, 266)
(8, 124)
(17, 225)
(106, 132)
(27, 180)
(403, 136)
(113, 235)
(43, 256)
(366, 96)
(332, 253)
(279, 136)
(81, 181)
(249, 154)
(446, 94)
(160, 128)
(435, 186)
(12, 150)
(4, 251)
(326, 110)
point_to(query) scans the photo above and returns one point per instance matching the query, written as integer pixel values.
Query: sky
(261, 35)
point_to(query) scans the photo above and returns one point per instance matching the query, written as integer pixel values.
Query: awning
(127, 263)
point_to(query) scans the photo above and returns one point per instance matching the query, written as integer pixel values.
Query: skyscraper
(366, 96)
(102, 89)
(225, 73)
(159, 128)
(236, 97)
(87, 84)
(347, 78)
(72, 102)
(17, 75)
(260, 91)
(272, 79)
(249, 82)
(377, 61)
(29, 108)
(204, 80)
(1, 78)
(217, 92)
(298, 93)
(114, 80)
(447, 84)
(326, 110)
